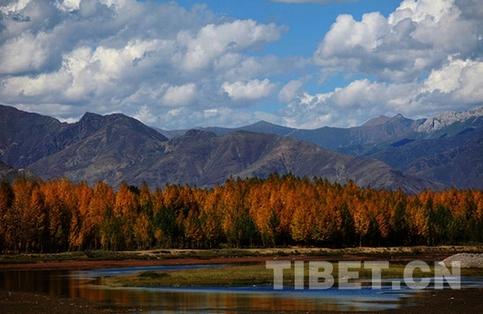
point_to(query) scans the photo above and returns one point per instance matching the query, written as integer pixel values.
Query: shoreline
(159, 257)
(446, 301)
(13, 302)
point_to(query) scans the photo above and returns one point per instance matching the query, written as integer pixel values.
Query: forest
(60, 215)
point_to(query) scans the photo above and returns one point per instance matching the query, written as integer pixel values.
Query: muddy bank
(95, 264)
(447, 301)
(82, 261)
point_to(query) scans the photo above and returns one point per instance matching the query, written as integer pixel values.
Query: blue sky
(306, 23)
(186, 63)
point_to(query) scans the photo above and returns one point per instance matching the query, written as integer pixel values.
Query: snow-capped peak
(447, 118)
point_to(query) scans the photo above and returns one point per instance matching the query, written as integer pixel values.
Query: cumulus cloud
(251, 90)
(213, 41)
(290, 91)
(454, 86)
(459, 81)
(416, 37)
(180, 95)
(346, 106)
(178, 67)
(23, 53)
(423, 58)
(13, 6)
(86, 74)
(144, 115)
(69, 5)
(142, 58)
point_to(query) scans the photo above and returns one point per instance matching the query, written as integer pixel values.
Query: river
(85, 285)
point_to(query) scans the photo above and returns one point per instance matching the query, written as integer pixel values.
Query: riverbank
(446, 301)
(105, 259)
(12, 302)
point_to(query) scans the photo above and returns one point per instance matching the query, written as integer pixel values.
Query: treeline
(60, 215)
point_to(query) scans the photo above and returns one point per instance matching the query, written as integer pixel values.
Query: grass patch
(153, 275)
(246, 275)
(239, 275)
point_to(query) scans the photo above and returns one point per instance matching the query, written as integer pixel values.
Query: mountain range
(361, 139)
(386, 152)
(447, 148)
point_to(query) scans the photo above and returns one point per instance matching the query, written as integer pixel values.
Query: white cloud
(162, 62)
(454, 86)
(347, 106)
(425, 57)
(458, 81)
(219, 116)
(290, 91)
(213, 41)
(13, 6)
(179, 95)
(140, 58)
(416, 37)
(449, 78)
(144, 115)
(23, 53)
(69, 5)
(85, 73)
(251, 90)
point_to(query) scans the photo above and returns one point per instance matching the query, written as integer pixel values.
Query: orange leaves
(126, 203)
(60, 215)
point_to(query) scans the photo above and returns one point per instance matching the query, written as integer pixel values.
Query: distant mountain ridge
(454, 160)
(354, 139)
(448, 118)
(117, 148)
(448, 145)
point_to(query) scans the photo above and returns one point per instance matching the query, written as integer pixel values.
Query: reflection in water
(84, 284)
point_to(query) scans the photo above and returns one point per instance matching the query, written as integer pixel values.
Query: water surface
(85, 285)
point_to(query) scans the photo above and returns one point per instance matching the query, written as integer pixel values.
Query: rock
(467, 260)
(447, 118)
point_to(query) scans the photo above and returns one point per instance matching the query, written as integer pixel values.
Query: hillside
(117, 148)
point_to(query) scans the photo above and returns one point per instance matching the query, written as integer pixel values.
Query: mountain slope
(453, 160)
(204, 159)
(107, 148)
(26, 137)
(117, 148)
(345, 140)
(8, 173)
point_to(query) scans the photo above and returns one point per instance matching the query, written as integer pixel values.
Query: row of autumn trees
(59, 215)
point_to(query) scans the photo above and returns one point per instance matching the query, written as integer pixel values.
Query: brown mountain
(204, 159)
(118, 148)
(456, 160)
(352, 141)
(26, 137)
(108, 148)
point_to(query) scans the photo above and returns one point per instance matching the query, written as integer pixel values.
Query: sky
(189, 63)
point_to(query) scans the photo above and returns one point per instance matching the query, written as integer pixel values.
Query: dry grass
(243, 275)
